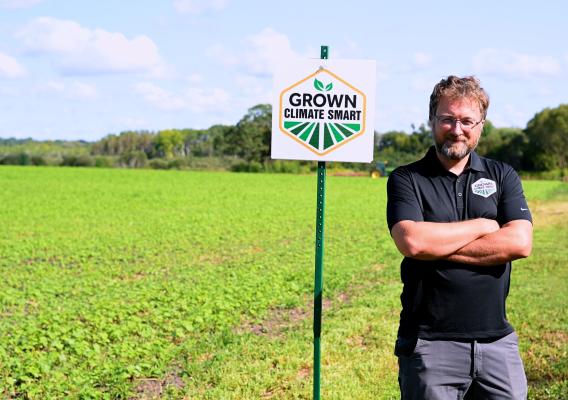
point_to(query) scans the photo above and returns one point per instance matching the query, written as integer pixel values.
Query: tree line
(541, 146)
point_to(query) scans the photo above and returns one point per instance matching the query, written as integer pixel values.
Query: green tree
(169, 143)
(218, 135)
(547, 133)
(398, 147)
(509, 146)
(489, 139)
(125, 142)
(421, 138)
(200, 143)
(250, 138)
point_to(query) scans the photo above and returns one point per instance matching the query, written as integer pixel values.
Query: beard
(454, 150)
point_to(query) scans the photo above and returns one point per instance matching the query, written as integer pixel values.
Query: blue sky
(82, 70)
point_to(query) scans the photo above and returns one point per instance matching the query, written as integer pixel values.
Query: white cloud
(399, 117)
(222, 55)
(192, 99)
(261, 52)
(194, 78)
(79, 50)
(249, 85)
(50, 35)
(267, 48)
(10, 68)
(252, 90)
(199, 6)
(83, 91)
(200, 100)
(71, 91)
(516, 65)
(510, 115)
(159, 97)
(421, 84)
(53, 87)
(18, 3)
(131, 122)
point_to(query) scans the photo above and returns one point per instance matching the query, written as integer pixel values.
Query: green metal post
(318, 287)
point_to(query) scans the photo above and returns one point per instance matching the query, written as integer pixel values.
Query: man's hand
(437, 240)
(476, 242)
(511, 242)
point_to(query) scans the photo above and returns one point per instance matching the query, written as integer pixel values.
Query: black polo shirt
(443, 299)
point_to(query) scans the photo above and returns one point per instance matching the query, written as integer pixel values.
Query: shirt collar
(475, 162)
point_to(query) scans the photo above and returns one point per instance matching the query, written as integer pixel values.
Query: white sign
(324, 110)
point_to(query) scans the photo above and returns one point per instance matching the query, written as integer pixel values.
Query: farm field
(139, 284)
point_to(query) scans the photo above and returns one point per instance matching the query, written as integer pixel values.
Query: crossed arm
(476, 242)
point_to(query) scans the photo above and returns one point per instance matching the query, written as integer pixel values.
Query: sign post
(318, 284)
(323, 111)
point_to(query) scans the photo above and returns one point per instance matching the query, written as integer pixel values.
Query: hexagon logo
(484, 187)
(322, 112)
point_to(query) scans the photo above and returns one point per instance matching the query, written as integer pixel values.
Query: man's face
(456, 128)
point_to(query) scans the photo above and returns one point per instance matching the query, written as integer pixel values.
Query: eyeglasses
(447, 122)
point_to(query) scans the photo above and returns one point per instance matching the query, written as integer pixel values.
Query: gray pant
(443, 369)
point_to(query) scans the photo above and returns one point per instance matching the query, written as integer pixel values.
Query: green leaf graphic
(318, 85)
(329, 87)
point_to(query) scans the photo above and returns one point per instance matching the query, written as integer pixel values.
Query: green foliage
(104, 162)
(399, 148)
(112, 278)
(125, 142)
(38, 160)
(555, 174)
(210, 163)
(78, 161)
(159, 163)
(216, 137)
(542, 146)
(251, 166)
(504, 144)
(547, 133)
(169, 143)
(180, 148)
(250, 138)
(13, 142)
(30, 152)
(542, 321)
(512, 148)
(288, 167)
(133, 159)
(16, 159)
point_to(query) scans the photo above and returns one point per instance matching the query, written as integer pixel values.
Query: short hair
(455, 87)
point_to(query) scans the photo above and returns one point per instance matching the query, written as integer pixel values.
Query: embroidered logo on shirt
(484, 187)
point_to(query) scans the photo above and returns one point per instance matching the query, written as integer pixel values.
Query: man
(459, 220)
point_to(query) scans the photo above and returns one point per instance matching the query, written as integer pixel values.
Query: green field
(170, 284)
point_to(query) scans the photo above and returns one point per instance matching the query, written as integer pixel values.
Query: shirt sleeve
(402, 200)
(512, 204)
